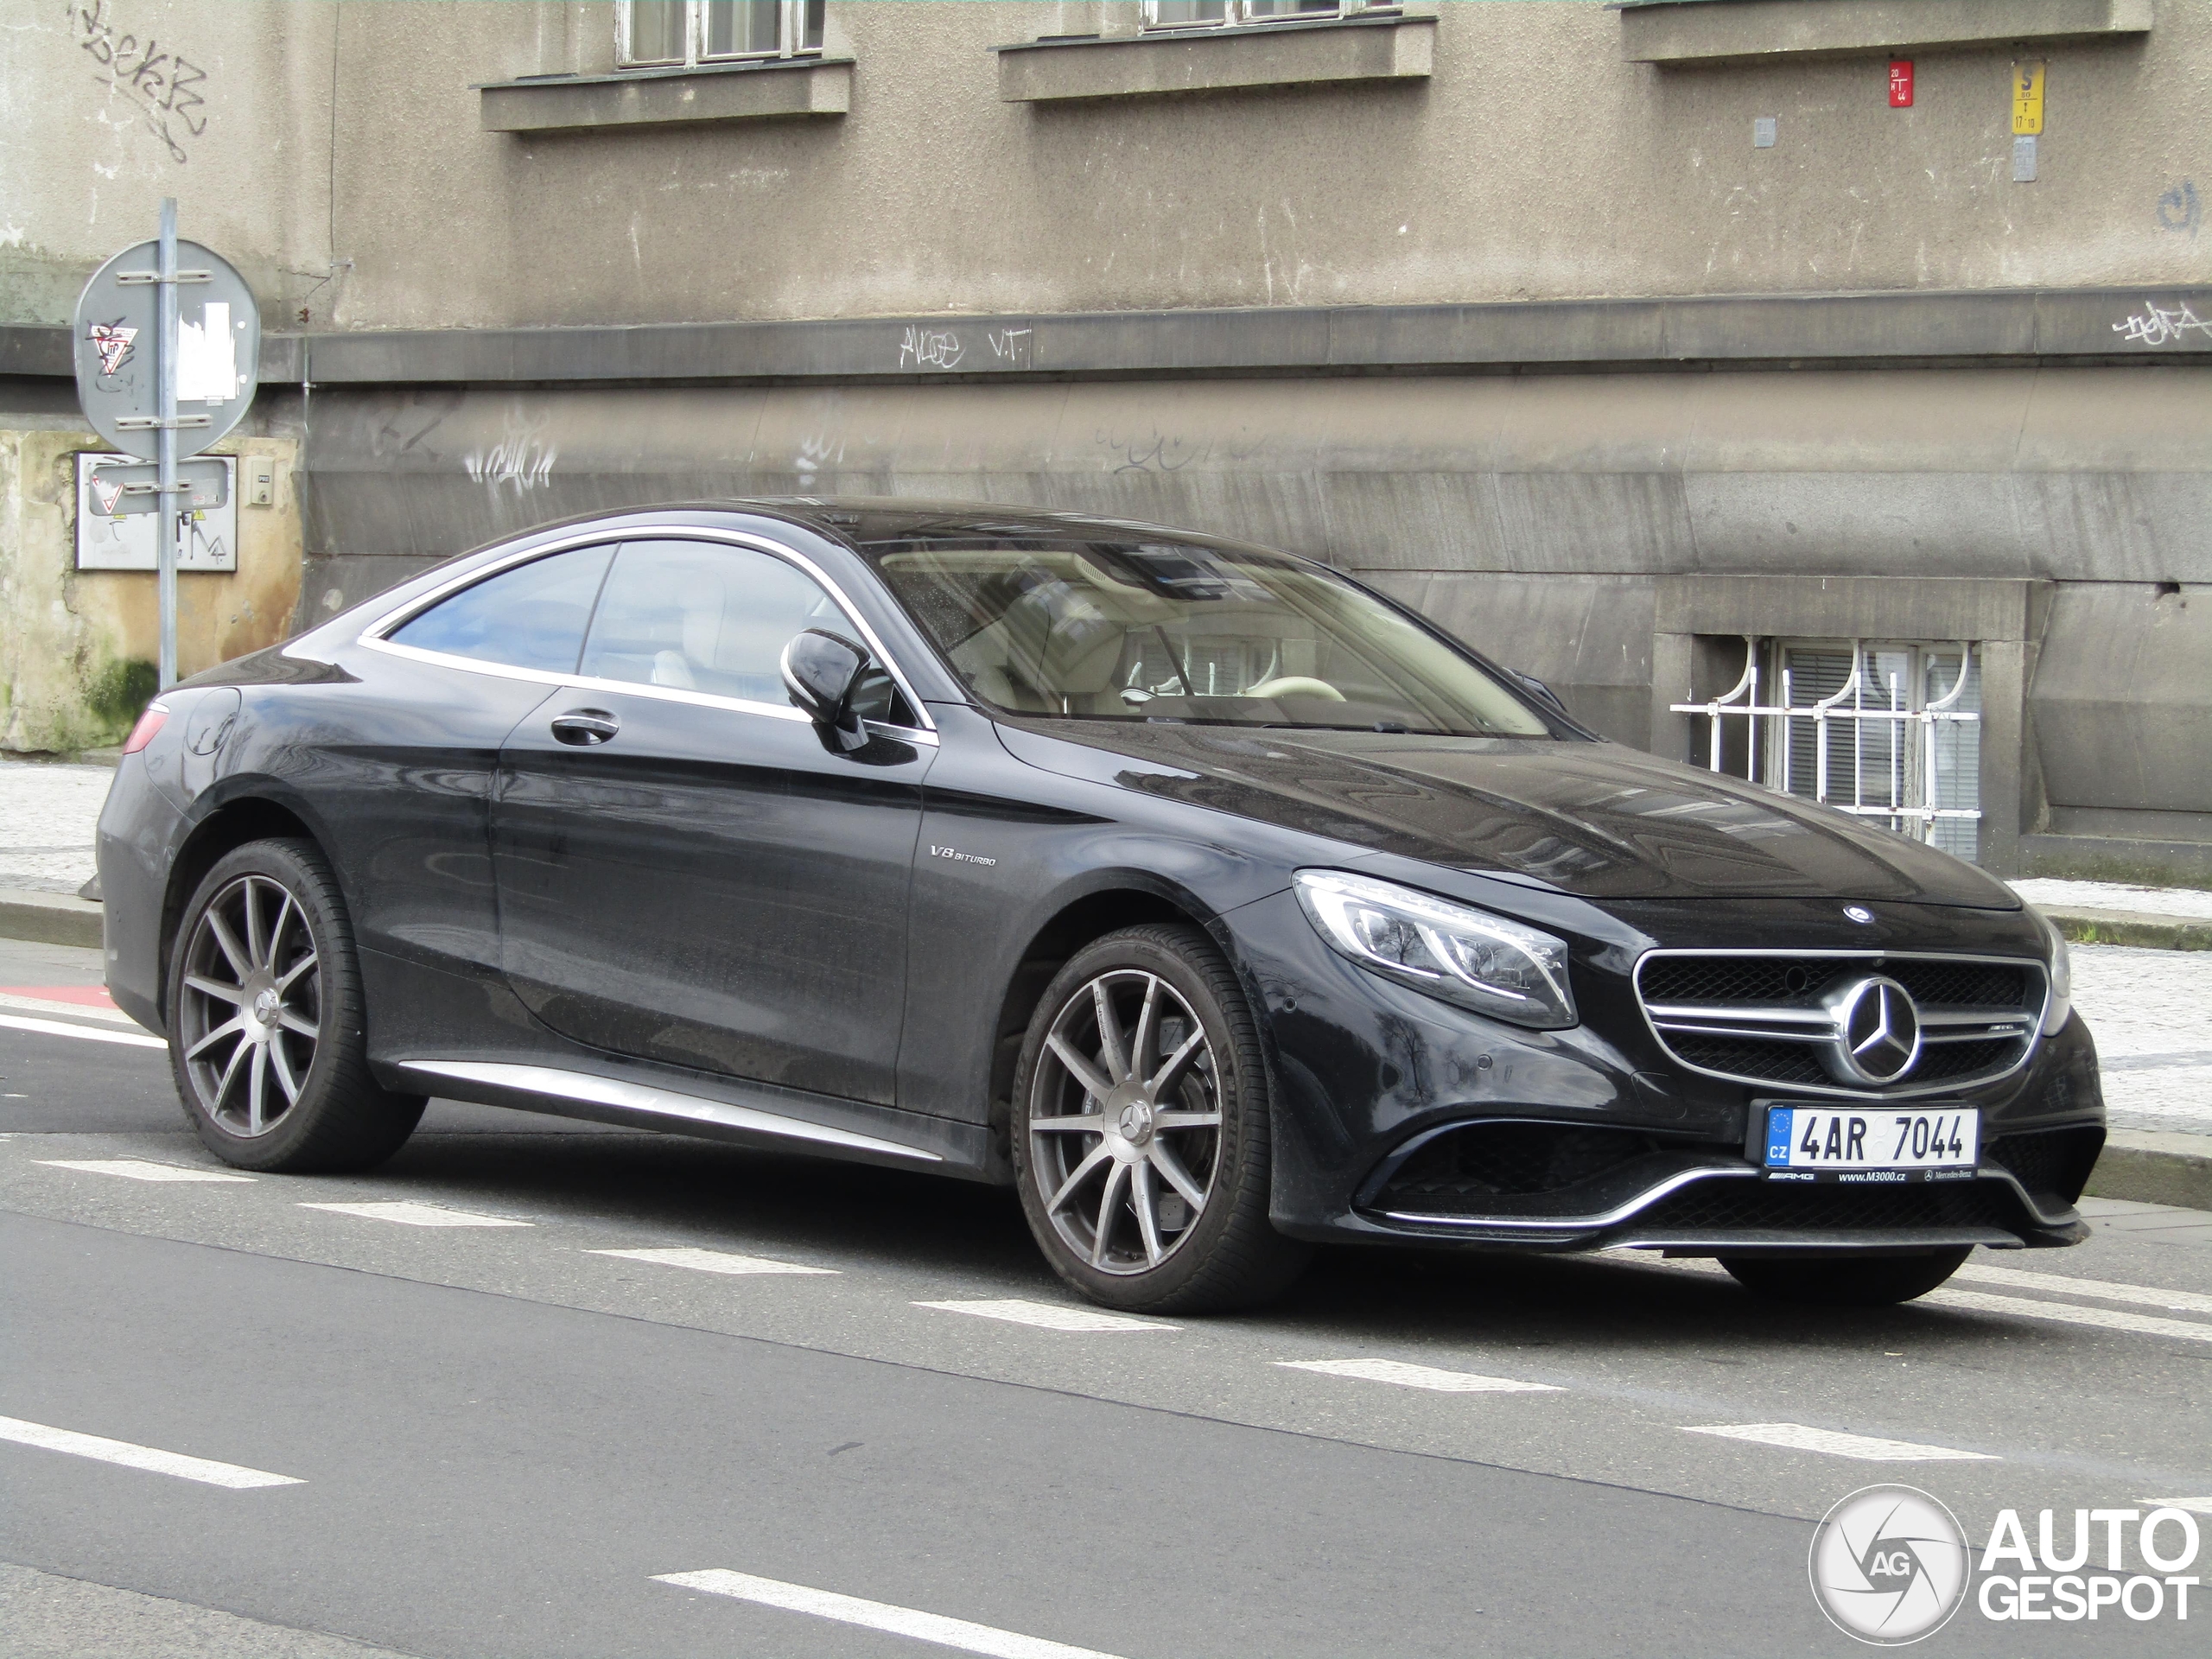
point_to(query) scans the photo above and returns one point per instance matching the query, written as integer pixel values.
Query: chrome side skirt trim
(662, 1106)
(1641, 1202)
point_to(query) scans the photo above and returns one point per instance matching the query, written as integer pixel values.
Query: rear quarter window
(530, 616)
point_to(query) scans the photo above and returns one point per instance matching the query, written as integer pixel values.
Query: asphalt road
(500, 1439)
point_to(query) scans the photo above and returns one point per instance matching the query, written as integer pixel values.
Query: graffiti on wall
(161, 83)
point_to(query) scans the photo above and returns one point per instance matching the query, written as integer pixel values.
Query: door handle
(586, 727)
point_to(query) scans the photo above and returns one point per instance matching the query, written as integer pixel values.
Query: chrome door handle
(586, 727)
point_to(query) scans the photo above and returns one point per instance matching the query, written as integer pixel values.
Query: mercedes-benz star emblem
(1877, 1032)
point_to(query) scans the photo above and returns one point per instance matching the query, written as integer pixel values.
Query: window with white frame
(667, 33)
(1221, 14)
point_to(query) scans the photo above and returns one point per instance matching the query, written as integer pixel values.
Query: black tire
(1844, 1280)
(275, 961)
(1161, 1252)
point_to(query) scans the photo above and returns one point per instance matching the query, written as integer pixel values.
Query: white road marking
(417, 1215)
(83, 1010)
(2194, 1505)
(1051, 1316)
(1800, 1437)
(877, 1616)
(711, 1260)
(1417, 1377)
(138, 1169)
(2184, 1302)
(56, 1028)
(151, 1459)
(2142, 1325)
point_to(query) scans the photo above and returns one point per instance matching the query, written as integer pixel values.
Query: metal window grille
(1219, 13)
(668, 33)
(1889, 731)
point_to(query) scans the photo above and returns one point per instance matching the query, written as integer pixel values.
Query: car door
(688, 870)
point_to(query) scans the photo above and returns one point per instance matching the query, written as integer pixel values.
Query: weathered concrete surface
(1659, 31)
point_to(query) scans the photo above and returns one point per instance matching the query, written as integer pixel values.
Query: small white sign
(206, 538)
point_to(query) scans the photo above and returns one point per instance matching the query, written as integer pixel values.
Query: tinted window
(531, 616)
(1153, 631)
(697, 616)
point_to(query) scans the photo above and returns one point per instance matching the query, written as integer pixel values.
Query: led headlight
(1481, 962)
(2062, 976)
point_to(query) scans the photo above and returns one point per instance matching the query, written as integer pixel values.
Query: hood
(1592, 819)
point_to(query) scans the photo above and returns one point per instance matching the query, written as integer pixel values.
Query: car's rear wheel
(267, 1038)
(1141, 1129)
(1845, 1281)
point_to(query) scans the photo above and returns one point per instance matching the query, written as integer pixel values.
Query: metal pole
(165, 440)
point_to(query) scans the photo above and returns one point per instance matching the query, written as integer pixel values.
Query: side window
(702, 617)
(530, 616)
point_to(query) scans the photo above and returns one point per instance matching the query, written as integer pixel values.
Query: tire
(1177, 1161)
(268, 1040)
(1844, 1280)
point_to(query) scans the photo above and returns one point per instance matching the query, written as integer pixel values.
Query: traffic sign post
(205, 354)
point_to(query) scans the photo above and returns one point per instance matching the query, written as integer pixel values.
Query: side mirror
(1544, 693)
(821, 670)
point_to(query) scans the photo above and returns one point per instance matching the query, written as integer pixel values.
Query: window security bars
(1220, 14)
(670, 34)
(1891, 732)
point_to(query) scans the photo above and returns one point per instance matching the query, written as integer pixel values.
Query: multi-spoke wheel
(1140, 1128)
(265, 1030)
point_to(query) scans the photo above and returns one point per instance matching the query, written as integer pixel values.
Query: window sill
(1688, 32)
(768, 89)
(1336, 50)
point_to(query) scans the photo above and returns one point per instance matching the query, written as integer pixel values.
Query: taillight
(149, 723)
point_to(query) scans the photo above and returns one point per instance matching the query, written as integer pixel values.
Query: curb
(2131, 927)
(2155, 1166)
(48, 918)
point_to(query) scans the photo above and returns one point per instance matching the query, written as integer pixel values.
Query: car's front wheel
(267, 1037)
(1844, 1280)
(1141, 1129)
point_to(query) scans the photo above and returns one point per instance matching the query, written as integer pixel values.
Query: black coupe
(1217, 903)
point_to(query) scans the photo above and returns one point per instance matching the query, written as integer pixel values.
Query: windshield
(1148, 631)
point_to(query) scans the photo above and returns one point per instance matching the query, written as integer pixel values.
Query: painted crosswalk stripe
(1417, 1377)
(1800, 1437)
(150, 1458)
(2181, 1302)
(408, 1214)
(2110, 1319)
(57, 1029)
(958, 1633)
(711, 1260)
(1050, 1316)
(106, 1011)
(138, 1169)
(2194, 1505)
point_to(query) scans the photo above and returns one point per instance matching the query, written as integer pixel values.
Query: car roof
(869, 521)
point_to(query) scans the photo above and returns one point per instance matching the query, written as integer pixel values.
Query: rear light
(149, 723)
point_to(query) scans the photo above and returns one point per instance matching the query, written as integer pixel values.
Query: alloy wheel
(251, 1005)
(1125, 1121)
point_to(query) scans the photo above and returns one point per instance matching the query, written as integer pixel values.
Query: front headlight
(2062, 976)
(1481, 962)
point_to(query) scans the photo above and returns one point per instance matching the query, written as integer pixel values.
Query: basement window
(685, 33)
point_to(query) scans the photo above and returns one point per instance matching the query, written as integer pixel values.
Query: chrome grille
(1762, 1017)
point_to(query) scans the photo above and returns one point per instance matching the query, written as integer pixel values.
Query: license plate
(1871, 1143)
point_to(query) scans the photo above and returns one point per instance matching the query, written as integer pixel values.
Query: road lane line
(1417, 1377)
(138, 1169)
(2194, 1505)
(711, 1260)
(1974, 1301)
(877, 1616)
(56, 1028)
(107, 1011)
(2189, 1301)
(1800, 1437)
(1050, 1316)
(150, 1458)
(408, 1214)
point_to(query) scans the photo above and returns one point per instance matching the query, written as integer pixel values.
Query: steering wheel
(1296, 685)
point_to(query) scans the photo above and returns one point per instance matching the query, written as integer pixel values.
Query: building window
(657, 34)
(1222, 14)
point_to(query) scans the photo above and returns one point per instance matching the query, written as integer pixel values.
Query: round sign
(1889, 1565)
(117, 335)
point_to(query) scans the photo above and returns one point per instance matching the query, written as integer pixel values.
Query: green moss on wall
(120, 692)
